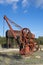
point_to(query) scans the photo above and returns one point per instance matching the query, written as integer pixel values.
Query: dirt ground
(13, 58)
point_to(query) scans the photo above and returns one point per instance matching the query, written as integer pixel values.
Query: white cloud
(8, 1)
(15, 6)
(25, 3)
(14, 3)
(36, 3)
(25, 11)
(39, 3)
(11, 1)
(1, 1)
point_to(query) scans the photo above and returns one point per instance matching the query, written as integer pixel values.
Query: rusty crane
(26, 38)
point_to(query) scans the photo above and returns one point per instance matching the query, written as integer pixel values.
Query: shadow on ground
(13, 56)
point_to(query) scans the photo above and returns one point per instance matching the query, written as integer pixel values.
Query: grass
(12, 58)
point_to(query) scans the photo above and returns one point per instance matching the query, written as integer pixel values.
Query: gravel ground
(15, 59)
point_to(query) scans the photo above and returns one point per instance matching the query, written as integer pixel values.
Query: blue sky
(26, 13)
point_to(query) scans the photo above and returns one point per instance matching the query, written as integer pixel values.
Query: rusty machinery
(26, 38)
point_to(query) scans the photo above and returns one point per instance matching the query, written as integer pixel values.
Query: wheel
(25, 35)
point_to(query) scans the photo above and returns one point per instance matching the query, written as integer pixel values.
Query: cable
(16, 25)
(3, 27)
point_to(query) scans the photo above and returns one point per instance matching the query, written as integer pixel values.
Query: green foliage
(13, 42)
(2, 40)
(39, 40)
